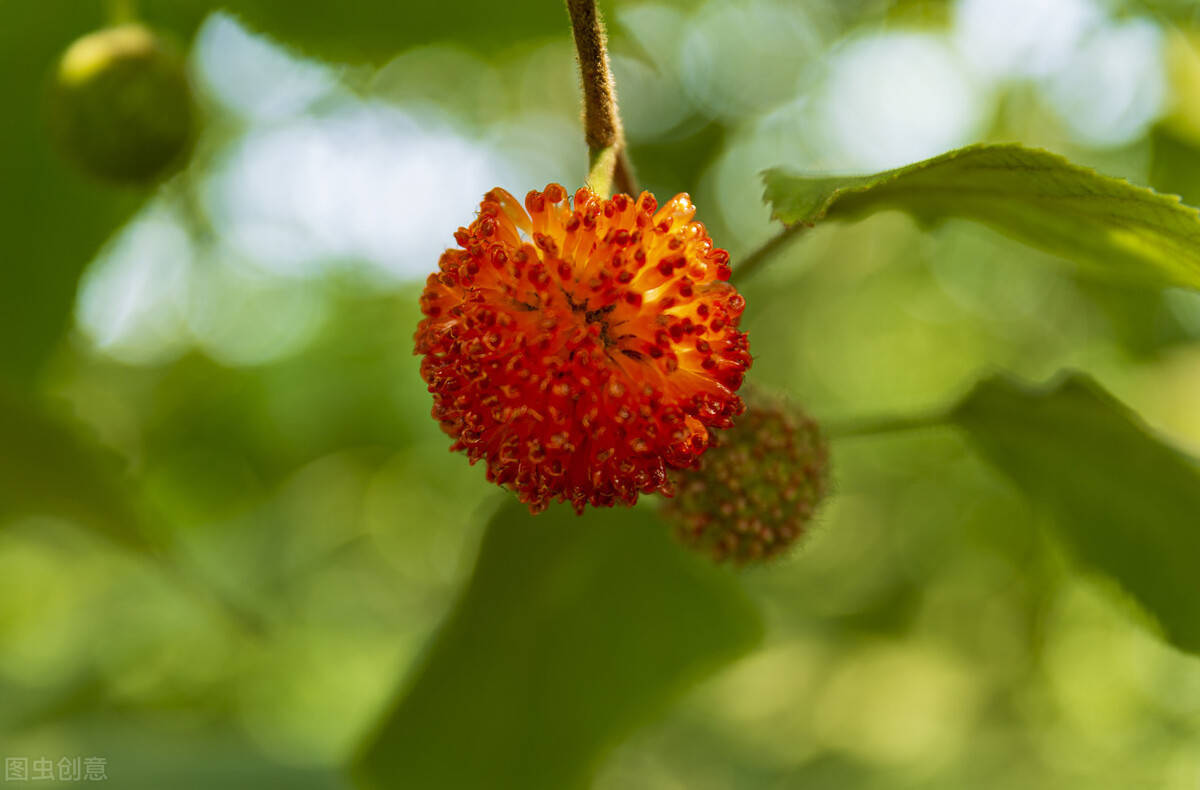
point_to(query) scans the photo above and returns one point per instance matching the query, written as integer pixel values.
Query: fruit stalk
(609, 164)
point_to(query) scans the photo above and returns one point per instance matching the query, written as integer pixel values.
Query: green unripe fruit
(121, 104)
(755, 492)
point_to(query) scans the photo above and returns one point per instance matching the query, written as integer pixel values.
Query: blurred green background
(234, 348)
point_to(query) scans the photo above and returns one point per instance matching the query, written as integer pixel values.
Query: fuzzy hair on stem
(601, 119)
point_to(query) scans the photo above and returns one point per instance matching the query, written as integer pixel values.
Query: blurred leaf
(49, 467)
(373, 31)
(670, 165)
(221, 436)
(571, 632)
(175, 749)
(1141, 320)
(1174, 164)
(1034, 196)
(54, 220)
(1184, 12)
(1128, 503)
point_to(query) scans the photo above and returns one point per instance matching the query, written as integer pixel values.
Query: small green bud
(121, 104)
(754, 493)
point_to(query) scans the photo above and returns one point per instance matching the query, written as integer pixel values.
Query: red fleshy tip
(562, 344)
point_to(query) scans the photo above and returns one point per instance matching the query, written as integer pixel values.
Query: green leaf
(1124, 500)
(49, 466)
(1040, 198)
(573, 630)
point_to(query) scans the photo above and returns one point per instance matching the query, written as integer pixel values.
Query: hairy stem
(601, 170)
(601, 120)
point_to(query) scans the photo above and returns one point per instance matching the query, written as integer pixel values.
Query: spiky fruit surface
(754, 494)
(121, 104)
(581, 350)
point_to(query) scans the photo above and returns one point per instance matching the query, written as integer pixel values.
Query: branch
(752, 262)
(880, 426)
(601, 120)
